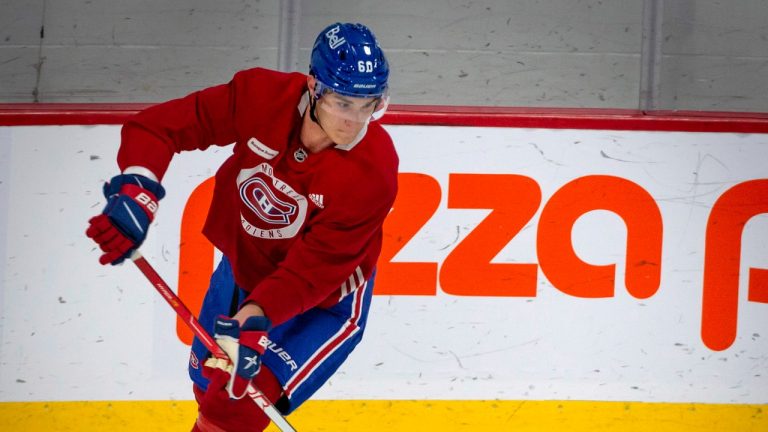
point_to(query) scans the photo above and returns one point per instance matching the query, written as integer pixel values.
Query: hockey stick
(181, 309)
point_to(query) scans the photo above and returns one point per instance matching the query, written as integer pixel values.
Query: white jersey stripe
(344, 290)
(354, 282)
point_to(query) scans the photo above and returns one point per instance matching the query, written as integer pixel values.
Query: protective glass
(352, 108)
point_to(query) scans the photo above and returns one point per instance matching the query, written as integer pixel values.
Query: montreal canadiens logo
(256, 194)
(271, 207)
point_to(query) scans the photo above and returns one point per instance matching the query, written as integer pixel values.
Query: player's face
(343, 117)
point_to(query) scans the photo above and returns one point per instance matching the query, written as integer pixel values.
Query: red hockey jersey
(300, 229)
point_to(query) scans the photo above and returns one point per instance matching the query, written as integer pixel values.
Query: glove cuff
(257, 323)
(142, 171)
(115, 185)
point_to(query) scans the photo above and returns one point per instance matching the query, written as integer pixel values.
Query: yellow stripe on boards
(396, 416)
(116, 416)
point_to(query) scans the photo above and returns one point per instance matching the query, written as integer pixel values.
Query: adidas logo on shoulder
(317, 199)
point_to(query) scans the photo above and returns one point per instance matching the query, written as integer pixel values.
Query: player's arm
(151, 138)
(249, 309)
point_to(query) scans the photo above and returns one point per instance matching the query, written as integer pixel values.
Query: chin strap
(312, 106)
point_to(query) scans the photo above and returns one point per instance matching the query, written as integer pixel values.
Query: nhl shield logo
(300, 155)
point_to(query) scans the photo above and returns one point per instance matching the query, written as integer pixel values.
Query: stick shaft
(181, 309)
(178, 306)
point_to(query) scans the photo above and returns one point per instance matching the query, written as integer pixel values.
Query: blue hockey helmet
(347, 59)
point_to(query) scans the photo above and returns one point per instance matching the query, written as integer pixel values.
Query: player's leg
(306, 350)
(222, 298)
(240, 415)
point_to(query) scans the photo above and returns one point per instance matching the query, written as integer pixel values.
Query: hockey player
(297, 211)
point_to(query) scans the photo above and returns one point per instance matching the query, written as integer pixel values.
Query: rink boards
(603, 279)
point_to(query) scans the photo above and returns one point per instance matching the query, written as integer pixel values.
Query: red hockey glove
(122, 225)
